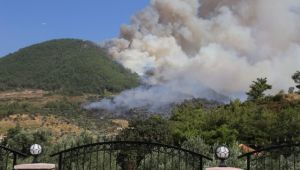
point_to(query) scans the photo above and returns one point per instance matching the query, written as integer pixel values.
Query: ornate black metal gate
(129, 155)
(282, 157)
(8, 158)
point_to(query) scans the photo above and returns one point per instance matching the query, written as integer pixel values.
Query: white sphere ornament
(35, 149)
(222, 152)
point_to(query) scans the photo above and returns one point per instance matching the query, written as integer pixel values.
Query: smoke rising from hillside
(181, 48)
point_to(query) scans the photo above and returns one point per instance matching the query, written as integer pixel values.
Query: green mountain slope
(70, 66)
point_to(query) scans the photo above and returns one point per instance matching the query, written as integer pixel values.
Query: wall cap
(38, 166)
(223, 168)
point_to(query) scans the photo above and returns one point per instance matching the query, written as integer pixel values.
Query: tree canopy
(296, 78)
(258, 88)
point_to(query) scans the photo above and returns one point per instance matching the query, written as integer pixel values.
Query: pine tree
(258, 88)
(296, 78)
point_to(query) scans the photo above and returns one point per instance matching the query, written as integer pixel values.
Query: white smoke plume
(182, 47)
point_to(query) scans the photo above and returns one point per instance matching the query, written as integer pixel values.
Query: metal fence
(8, 158)
(129, 155)
(281, 157)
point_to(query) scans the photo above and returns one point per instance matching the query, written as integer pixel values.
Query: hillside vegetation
(37, 102)
(56, 125)
(68, 66)
(260, 121)
(272, 120)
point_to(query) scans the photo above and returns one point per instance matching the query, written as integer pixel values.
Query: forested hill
(70, 66)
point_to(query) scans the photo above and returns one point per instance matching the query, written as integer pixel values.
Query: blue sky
(25, 22)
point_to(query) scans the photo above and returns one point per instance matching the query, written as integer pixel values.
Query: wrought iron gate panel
(8, 158)
(282, 157)
(129, 155)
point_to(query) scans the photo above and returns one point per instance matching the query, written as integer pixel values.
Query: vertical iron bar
(103, 164)
(294, 160)
(193, 162)
(7, 154)
(70, 159)
(110, 157)
(91, 154)
(83, 160)
(179, 159)
(157, 163)
(116, 160)
(144, 163)
(201, 163)
(15, 160)
(256, 163)
(103, 160)
(286, 163)
(77, 156)
(0, 157)
(186, 161)
(279, 161)
(248, 161)
(63, 165)
(172, 159)
(151, 160)
(97, 159)
(165, 160)
(271, 160)
(60, 162)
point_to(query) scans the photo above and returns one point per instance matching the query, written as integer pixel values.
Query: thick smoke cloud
(181, 48)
